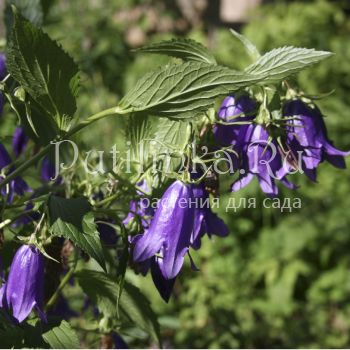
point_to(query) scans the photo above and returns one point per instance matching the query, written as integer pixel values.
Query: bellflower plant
(169, 234)
(205, 221)
(84, 209)
(25, 283)
(16, 186)
(234, 110)
(307, 134)
(19, 141)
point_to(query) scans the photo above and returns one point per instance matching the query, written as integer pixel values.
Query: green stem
(63, 283)
(45, 150)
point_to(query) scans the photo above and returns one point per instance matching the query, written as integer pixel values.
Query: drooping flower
(25, 283)
(205, 221)
(141, 208)
(233, 110)
(3, 71)
(260, 157)
(118, 341)
(169, 234)
(19, 141)
(307, 134)
(16, 186)
(2, 288)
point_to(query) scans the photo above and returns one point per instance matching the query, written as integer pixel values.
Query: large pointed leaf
(43, 69)
(182, 90)
(104, 293)
(186, 49)
(32, 10)
(72, 219)
(282, 62)
(62, 336)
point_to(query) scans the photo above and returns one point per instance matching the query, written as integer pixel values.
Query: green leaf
(137, 307)
(32, 10)
(43, 69)
(184, 90)
(251, 49)
(139, 131)
(169, 142)
(62, 336)
(104, 292)
(279, 63)
(72, 219)
(186, 49)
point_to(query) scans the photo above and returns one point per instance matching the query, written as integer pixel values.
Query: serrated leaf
(251, 49)
(137, 307)
(43, 69)
(32, 10)
(169, 142)
(279, 63)
(184, 90)
(104, 292)
(186, 49)
(72, 219)
(139, 131)
(62, 336)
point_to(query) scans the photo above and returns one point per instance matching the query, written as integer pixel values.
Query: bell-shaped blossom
(2, 288)
(3, 71)
(141, 207)
(16, 186)
(307, 136)
(205, 221)
(19, 141)
(25, 283)
(169, 234)
(234, 109)
(260, 157)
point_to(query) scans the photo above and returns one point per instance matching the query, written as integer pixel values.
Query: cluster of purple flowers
(302, 143)
(177, 224)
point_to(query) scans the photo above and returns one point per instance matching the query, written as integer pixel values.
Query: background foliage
(279, 279)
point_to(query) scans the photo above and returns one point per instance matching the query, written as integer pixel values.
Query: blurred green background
(279, 279)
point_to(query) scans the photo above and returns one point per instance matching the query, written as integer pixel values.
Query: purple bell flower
(233, 110)
(3, 71)
(2, 288)
(118, 341)
(169, 234)
(19, 141)
(307, 134)
(47, 170)
(18, 185)
(25, 284)
(141, 207)
(261, 158)
(205, 221)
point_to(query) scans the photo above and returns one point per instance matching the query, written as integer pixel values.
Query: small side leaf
(72, 219)
(186, 49)
(62, 336)
(279, 63)
(251, 49)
